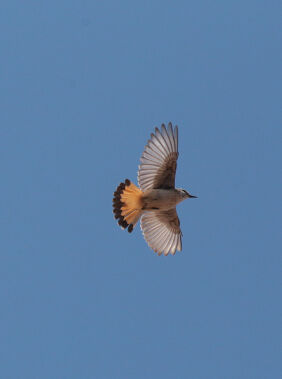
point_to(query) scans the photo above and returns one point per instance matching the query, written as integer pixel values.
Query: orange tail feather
(127, 204)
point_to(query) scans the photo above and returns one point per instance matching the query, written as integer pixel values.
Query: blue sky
(83, 84)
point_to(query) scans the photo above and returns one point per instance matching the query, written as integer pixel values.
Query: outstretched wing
(161, 230)
(158, 161)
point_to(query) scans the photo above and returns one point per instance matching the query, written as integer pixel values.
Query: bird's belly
(159, 199)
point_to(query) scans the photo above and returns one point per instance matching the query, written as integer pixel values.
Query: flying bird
(156, 199)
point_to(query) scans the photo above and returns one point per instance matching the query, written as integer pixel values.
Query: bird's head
(185, 195)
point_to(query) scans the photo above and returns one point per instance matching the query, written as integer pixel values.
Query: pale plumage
(158, 161)
(161, 228)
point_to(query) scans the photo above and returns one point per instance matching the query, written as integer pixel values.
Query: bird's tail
(127, 204)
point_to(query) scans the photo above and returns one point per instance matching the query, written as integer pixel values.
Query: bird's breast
(160, 199)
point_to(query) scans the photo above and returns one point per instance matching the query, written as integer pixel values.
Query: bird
(154, 201)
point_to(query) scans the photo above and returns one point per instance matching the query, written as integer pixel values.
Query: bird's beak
(193, 197)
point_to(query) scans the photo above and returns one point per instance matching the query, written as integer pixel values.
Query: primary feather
(159, 160)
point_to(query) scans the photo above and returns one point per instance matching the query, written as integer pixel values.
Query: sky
(83, 84)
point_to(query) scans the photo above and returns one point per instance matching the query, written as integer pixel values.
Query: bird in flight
(156, 199)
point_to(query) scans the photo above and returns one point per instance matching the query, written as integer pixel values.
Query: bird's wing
(161, 230)
(158, 161)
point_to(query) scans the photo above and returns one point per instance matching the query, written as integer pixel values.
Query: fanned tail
(127, 204)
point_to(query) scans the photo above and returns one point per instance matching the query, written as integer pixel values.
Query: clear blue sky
(83, 84)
